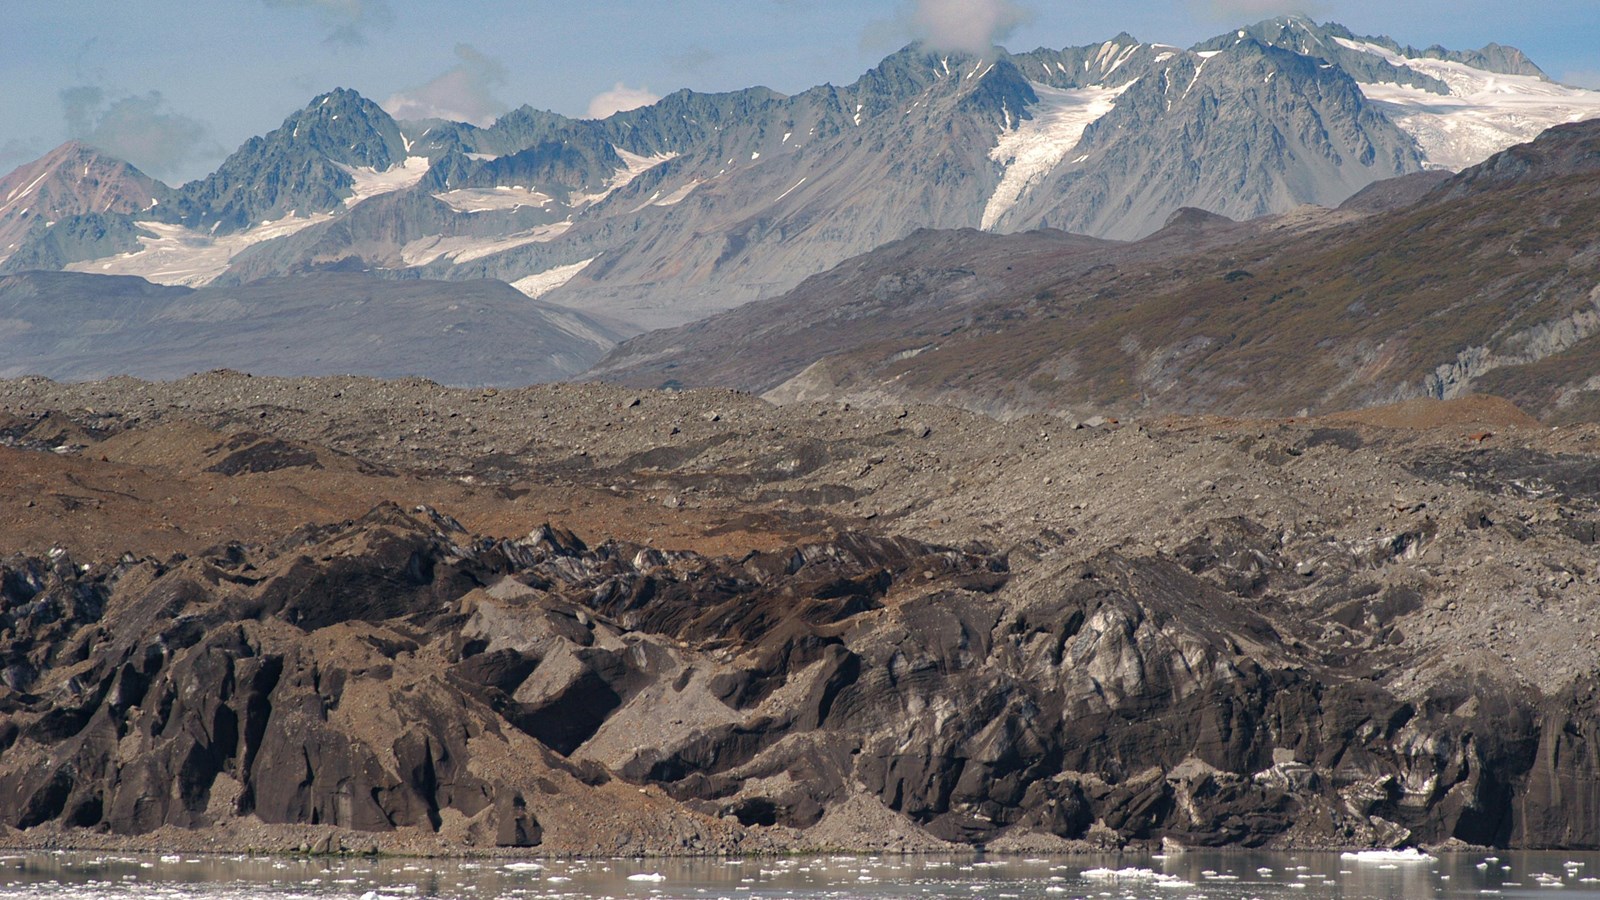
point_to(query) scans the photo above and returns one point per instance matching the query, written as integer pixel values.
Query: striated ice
(1035, 147)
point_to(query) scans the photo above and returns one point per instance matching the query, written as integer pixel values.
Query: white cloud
(138, 128)
(463, 93)
(347, 20)
(972, 26)
(619, 99)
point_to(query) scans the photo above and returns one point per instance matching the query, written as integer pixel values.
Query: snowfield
(1484, 113)
(541, 283)
(1036, 146)
(179, 255)
(633, 164)
(371, 183)
(471, 200)
(465, 249)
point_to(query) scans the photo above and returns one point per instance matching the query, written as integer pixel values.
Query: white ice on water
(1408, 855)
(1136, 874)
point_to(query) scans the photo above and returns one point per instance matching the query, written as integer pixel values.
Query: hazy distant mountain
(701, 202)
(74, 327)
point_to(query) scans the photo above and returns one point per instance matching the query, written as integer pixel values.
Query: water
(1198, 874)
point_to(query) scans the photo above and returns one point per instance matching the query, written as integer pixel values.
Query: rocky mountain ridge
(73, 203)
(1483, 281)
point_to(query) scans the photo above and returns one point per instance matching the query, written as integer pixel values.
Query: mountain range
(701, 202)
(1432, 285)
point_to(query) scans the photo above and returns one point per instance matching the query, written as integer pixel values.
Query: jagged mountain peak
(300, 168)
(1497, 58)
(346, 128)
(1371, 59)
(912, 69)
(706, 200)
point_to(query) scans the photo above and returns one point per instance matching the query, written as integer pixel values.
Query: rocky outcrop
(397, 674)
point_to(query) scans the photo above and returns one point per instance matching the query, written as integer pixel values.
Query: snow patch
(541, 283)
(1123, 57)
(472, 200)
(1035, 147)
(465, 249)
(178, 255)
(633, 165)
(1205, 57)
(370, 183)
(1484, 113)
(791, 190)
(673, 198)
(22, 193)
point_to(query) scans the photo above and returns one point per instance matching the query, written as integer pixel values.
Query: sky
(173, 86)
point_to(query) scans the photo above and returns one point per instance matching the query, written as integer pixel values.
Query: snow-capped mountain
(701, 202)
(73, 202)
(1460, 107)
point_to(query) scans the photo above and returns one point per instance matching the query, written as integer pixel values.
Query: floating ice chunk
(1160, 879)
(1408, 855)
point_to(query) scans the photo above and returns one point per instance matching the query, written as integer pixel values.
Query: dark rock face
(396, 672)
(297, 166)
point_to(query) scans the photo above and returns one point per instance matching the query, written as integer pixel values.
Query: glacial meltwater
(1194, 874)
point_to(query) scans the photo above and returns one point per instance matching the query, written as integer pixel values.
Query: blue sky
(174, 85)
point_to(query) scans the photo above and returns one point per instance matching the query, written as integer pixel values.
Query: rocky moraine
(327, 613)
